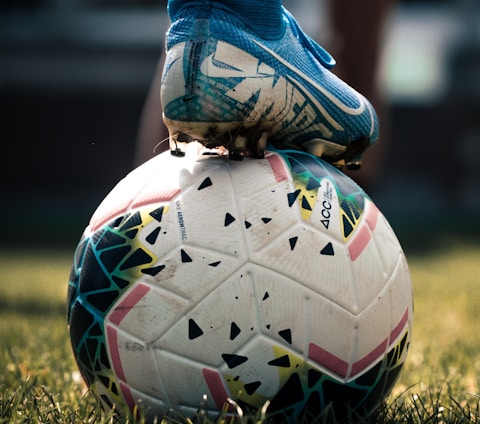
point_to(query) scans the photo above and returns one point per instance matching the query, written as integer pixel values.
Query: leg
(152, 137)
(358, 28)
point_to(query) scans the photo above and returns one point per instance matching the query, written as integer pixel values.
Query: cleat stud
(177, 152)
(354, 166)
(235, 155)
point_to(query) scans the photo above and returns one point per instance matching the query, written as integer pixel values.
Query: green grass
(39, 381)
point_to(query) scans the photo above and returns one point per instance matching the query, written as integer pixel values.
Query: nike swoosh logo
(229, 61)
(336, 101)
(237, 64)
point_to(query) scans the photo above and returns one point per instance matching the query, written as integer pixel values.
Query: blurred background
(74, 75)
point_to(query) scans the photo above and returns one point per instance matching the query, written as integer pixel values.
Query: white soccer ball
(201, 279)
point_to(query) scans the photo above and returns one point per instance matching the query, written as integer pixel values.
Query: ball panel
(186, 382)
(134, 363)
(396, 263)
(144, 185)
(250, 177)
(369, 270)
(388, 247)
(222, 322)
(147, 406)
(312, 260)
(332, 338)
(401, 295)
(281, 308)
(186, 269)
(253, 374)
(265, 217)
(372, 329)
(143, 305)
(217, 227)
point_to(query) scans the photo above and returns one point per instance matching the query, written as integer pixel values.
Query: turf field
(39, 381)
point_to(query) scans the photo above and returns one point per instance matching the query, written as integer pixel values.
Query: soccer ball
(274, 283)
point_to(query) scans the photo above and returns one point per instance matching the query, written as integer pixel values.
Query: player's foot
(225, 85)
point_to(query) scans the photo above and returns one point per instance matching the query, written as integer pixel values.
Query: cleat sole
(242, 139)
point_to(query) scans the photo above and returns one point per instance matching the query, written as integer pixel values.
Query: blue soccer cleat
(223, 85)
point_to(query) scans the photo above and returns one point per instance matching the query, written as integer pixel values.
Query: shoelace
(325, 58)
